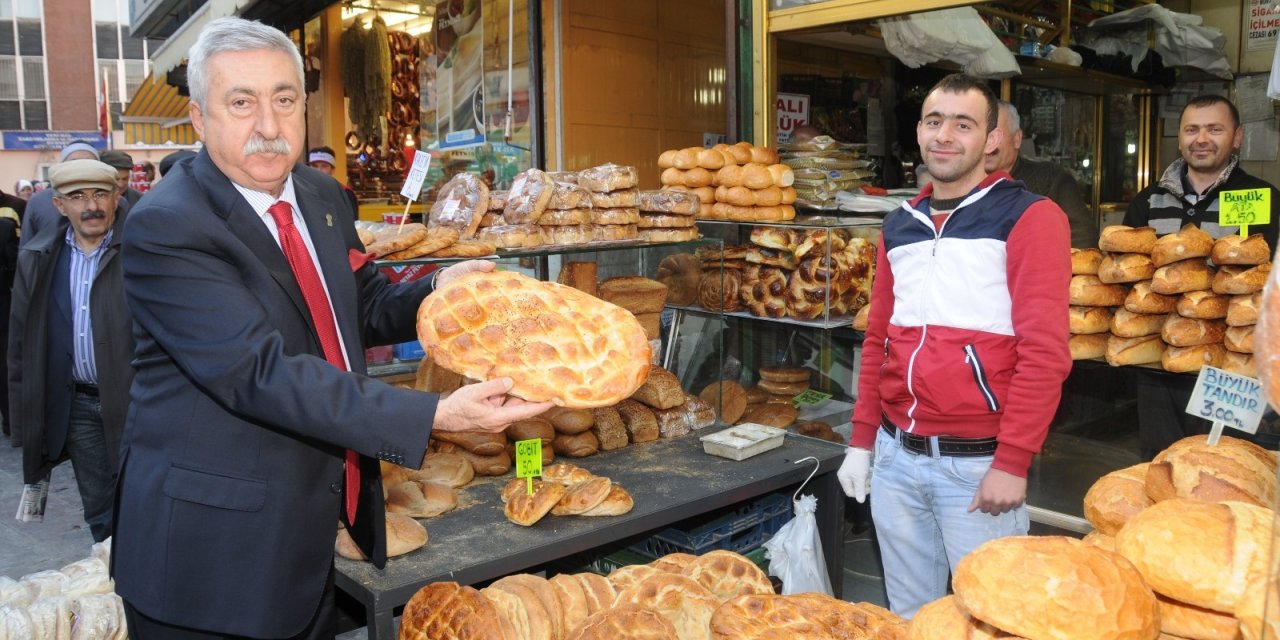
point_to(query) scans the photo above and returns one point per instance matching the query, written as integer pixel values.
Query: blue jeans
(87, 448)
(919, 504)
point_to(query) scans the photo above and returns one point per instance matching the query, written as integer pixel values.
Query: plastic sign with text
(1244, 207)
(811, 396)
(1227, 399)
(529, 461)
(417, 175)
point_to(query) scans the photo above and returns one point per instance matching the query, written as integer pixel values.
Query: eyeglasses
(80, 197)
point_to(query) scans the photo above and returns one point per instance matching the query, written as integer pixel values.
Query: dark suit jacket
(231, 464)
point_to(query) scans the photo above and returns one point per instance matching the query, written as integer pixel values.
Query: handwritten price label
(1227, 399)
(1244, 207)
(811, 396)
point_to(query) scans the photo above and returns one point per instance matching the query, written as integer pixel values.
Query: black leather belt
(86, 389)
(947, 445)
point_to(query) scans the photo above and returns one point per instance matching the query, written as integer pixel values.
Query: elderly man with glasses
(71, 340)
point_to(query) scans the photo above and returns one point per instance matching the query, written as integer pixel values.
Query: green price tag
(1244, 207)
(529, 461)
(811, 396)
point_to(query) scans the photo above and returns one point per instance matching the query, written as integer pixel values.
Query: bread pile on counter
(76, 601)
(1181, 302)
(736, 182)
(719, 595)
(1180, 550)
(564, 490)
(823, 168)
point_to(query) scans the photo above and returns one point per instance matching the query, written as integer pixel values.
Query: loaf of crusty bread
(569, 421)
(420, 499)
(1127, 324)
(1235, 281)
(1181, 277)
(1055, 587)
(1182, 620)
(1239, 339)
(684, 603)
(639, 421)
(1256, 609)
(537, 427)
(578, 445)
(530, 192)
(404, 534)
(1089, 291)
(1141, 299)
(1084, 320)
(449, 610)
(1127, 351)
(629, 621)
(1205, 305)
(494, 465)
(583, 497)
(608, 428)
(481, 443)
(618, 502)
(1192, 359)
(1242, 310)
(667, 201)
(434, 378)
(727, 575)
(1189, 332)
(1188, 242)
(636, 294)
(1125, 267)
(1116, 497)
(524, 509)
(1085, 262)
(661, 389)
(773, 415)
(1201, 553)
(651, 323)
(608, 177)
(1241, 363)
(448, 469)
(944, 619)
(1088, 347)
(1121, 239)
(1233, 469)
(1236, 250)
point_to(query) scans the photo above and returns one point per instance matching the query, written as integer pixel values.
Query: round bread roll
(1240, 280)
(1127, 324)
(781, 175)
(788, 389)
(785, 374)
(1088, 347)
(943, 619)
(1205, 305)
(530, 429)
(449, 610)
(1125, 267)
(525, 510)
(1122, 239)
(727, 398)
(576, 446)
(1188, 242)
(756, 176)
(1086, 320)
(1089, 291)
(672, 177)
(1189, 332)
(1181, 277)
(448, 469)
(764, 155)
(1129, 351)
(1240, 363)
(1055, 587)
(686, 158)
(741, 152)
(681, 272)
(1239, 339)
(1085, 262)
(1189, 621)
(686, 604)
(719, 291)
(1141, 299)
(667, 159)
(1237, 250)
(504, 324)
(1201, 553)
(1234, 469)
(710, 159)
(569, 421)
(1116, 497)
(1192, 359)
(698, 177)
(728, 176)
(1242, 310)
(404, 534)
(1100, 540)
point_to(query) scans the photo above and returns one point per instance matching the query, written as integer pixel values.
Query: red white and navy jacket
(967, 335)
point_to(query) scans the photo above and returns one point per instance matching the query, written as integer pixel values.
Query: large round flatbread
(624, 622)
(555, 342)
(447, 610)
(683, 602)
(760, 616)
(728, 575)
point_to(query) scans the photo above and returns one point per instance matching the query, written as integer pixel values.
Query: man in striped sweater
(965, 352)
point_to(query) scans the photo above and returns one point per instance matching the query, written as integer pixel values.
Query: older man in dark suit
(253, 302)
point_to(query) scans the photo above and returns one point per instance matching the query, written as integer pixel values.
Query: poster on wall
(1261, 24)
(459, 85)
(793, 111)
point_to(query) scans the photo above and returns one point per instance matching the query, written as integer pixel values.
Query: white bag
(795, 552)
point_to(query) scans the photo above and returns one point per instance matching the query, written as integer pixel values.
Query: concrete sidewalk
(63, 537)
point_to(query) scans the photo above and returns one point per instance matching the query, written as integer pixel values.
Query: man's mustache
(258, 144)
(92, 215)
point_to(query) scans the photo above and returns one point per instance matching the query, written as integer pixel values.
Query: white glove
(855, 473)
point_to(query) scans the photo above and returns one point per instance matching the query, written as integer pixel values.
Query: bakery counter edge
(670, 480)
(834, 321)
(552, 250)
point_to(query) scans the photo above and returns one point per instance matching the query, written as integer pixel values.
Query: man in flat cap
(41, 211)
(123, 164)
(71, 340)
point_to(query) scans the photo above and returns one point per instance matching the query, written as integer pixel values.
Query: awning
(175, 47)
(157, 115)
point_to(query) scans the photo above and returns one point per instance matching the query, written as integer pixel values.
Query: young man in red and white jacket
(965, 352)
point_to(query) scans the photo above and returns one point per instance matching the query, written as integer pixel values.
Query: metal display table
(671, 480)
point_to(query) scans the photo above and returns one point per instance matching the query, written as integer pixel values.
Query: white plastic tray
(743, 441)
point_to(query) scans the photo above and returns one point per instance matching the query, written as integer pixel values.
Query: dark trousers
(1162, 411)
(323, 626)
(87, 448)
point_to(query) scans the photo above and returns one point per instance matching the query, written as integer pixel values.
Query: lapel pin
(328, 219)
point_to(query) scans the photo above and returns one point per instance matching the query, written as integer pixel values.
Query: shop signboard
(1261, 24)
(459, 74)
(793, 111)
(39, 140)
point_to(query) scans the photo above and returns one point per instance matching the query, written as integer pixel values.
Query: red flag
(104, 111)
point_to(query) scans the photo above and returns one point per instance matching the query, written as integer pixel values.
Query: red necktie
(304, 270)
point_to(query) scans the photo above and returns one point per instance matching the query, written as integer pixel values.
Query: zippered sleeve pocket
(980, 377)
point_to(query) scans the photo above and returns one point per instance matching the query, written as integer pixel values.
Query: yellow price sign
(1244, 207)
(529, 461)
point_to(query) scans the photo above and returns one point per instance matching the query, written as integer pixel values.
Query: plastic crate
(743, 529)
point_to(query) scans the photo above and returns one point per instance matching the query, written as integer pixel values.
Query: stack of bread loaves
(668, 216)
(563, 490)
(750, 185)
(614, 199)
(824, 167)
(567, 219)
(720, 595)
(1149, 300)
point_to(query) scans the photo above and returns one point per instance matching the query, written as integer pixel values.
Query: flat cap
(74, 175)
(116, 158)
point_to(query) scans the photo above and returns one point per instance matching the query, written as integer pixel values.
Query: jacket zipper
(980, 377)
(924, 327)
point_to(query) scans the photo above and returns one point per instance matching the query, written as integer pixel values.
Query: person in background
(1209, 137)
(253, 302)
(123, 164)
(41, 211)
(167, 162)
(72, 341)
(24, 189)
(323, 160)
(1043, 178)
(969, 327)
(11, 210)
(148, 177)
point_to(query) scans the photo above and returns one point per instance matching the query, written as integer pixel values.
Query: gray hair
(1015, 121)
(230, 35)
